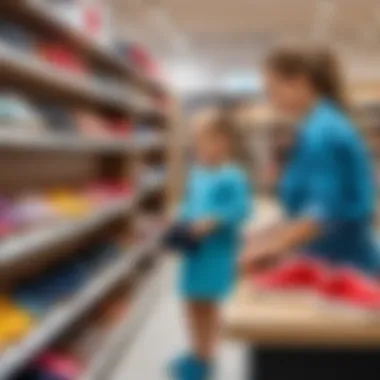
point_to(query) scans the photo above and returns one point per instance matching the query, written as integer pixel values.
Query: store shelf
(102, 365)
(38, 16)
(150, 144)
(153, 185)
(51, 142)
(23, 246)
(17, 67)
(64, 315)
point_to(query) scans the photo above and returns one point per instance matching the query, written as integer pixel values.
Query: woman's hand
(259, 256)
(274, 244)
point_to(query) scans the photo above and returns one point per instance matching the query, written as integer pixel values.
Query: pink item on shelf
(119, 126)
(350, 287)
(31, 209)
(92, 20)
(66, 366)
(117, 188)
(96, 194)
(100, 193)
(91, 124)
(6, 220)
(5, 229)
(302, 273)
(60, 57)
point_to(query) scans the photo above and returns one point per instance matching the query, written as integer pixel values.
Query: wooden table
(295, 337)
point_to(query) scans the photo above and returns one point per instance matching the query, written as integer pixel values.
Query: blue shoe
(187, 367)
(179, 366)
(201, 370)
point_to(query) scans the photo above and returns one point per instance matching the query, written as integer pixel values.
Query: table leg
(273, 363)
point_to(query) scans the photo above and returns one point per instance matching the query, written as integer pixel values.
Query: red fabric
(352, 287)
(60, 57)
(299, 273)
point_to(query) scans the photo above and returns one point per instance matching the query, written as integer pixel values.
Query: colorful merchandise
(52, 365)
(68, 204)
(118, 126)
(6, 220)
(57, 118)
(15, 323)
(18, 115)
(90, 124)
(16, 36)
(31, 210)
(61, 58)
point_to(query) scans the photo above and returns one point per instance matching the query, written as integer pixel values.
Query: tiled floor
(163, 336)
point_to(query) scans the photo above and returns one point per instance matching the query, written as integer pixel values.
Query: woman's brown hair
(318, 64)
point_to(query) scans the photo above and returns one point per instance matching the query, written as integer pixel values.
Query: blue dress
(328, 178)
(222, 194)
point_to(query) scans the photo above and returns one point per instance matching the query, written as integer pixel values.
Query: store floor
(163, 336)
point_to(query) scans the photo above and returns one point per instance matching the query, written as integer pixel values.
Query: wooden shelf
(38, 17)
(64, 315)
(57, 142)
(22, 70)
(21, 247)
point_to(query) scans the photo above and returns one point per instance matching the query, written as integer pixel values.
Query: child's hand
(202, 227)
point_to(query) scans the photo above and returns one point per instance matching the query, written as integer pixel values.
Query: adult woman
(326, 186)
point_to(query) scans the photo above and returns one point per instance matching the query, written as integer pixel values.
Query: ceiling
(223, 36)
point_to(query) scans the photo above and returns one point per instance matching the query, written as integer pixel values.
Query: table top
(296, 319)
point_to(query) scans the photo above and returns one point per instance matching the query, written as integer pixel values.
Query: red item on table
(302, 273)
(352, 288)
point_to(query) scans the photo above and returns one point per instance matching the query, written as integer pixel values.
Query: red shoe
(350, 287)
(303, 273)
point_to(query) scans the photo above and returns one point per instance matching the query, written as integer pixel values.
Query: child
(217, 199)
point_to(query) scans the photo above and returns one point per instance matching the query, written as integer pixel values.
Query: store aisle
(163, 336)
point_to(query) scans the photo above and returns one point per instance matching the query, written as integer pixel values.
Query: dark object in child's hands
(180, 237)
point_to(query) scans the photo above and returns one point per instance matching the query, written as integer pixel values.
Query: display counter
(297, 337)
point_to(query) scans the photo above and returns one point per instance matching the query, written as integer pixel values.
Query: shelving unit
(61, 317)
(78, 160)
(29, 72)
(39, 17)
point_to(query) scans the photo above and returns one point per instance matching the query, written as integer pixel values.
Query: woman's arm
(321, 209)
(276, 243)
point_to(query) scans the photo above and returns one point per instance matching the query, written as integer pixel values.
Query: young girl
(217, 199)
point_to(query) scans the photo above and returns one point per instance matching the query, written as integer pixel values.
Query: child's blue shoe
(187, 367)
(178, 366)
